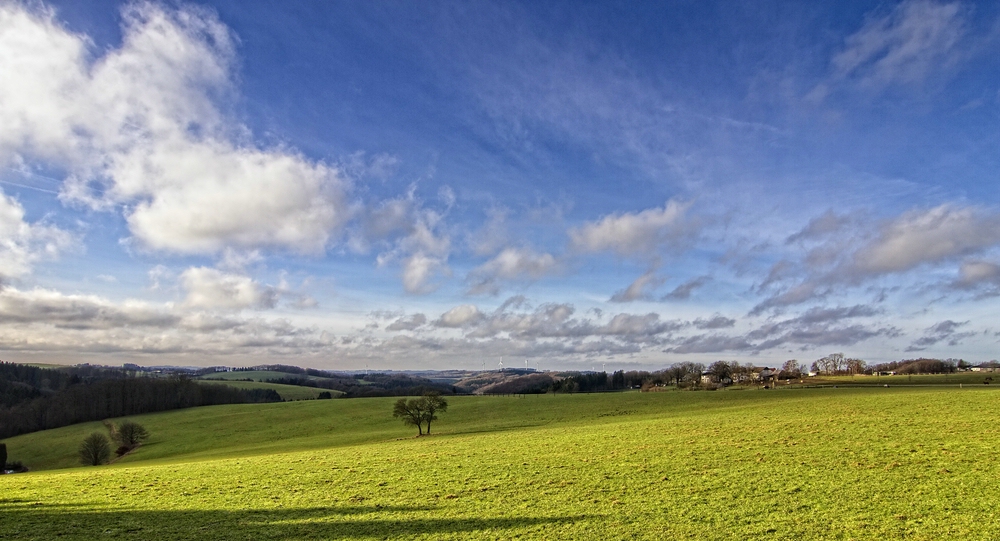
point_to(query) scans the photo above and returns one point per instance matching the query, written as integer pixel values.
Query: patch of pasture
(802, 464)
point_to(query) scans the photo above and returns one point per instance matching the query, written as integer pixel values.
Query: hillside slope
(806, 464)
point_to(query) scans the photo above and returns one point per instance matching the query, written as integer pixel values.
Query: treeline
(118, 397)
(918, 366)
(20, 383)
(838, 364)
(287, 369)
(680, 375)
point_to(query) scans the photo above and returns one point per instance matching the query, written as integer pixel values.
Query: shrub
(129, 434)
(95, 449)
(325, 395)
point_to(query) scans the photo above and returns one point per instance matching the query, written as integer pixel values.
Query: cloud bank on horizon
(438, 186)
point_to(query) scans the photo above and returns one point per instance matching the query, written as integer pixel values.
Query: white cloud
(50, 322)
(979, 274)
(492, 236)
(141, 127)
(685, 290)
(634, 234)
(717, 321)
(640, 289)
(409, 323)
(915, 40)
(212, 288)
(926, 237)
(22, 243)
(510, 264)
(943, 331)
(459, 316)
(867, 250)
(412, 235)
(52, 308)
(418, 272)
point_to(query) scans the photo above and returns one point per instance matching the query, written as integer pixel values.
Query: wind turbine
(501, 363)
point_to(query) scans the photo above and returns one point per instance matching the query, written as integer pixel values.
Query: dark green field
(873, 463)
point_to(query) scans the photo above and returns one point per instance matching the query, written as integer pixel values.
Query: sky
(452, 185)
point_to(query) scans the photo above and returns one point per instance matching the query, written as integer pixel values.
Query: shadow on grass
(21, 519)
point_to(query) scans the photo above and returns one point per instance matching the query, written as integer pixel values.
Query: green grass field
(287, 392)
(875, 463)
(960, 378)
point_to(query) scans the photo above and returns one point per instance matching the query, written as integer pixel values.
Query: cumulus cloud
(141, 127)
(640, 289)
(510, 264)
(459, 316)
(211, 288)
(22, 243)
(641, 234)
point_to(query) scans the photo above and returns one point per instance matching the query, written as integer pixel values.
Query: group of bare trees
(96, 448)
(418, 411)
(837, 364)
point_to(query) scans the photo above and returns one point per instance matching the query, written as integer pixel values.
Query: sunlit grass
(806, 464)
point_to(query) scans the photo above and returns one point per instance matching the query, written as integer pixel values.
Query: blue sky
(436, 185)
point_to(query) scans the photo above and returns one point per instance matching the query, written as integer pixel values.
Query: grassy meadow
(846, 463)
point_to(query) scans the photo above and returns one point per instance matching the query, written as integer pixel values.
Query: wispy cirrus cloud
(916, 40)
(640, 289)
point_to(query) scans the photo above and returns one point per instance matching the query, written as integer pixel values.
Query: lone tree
(95, 450)
(433, 403)
(417, 411)
(130, 434)
(411, 412)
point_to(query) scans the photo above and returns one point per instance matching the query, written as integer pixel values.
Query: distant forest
(33, 398)
(353, 386)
